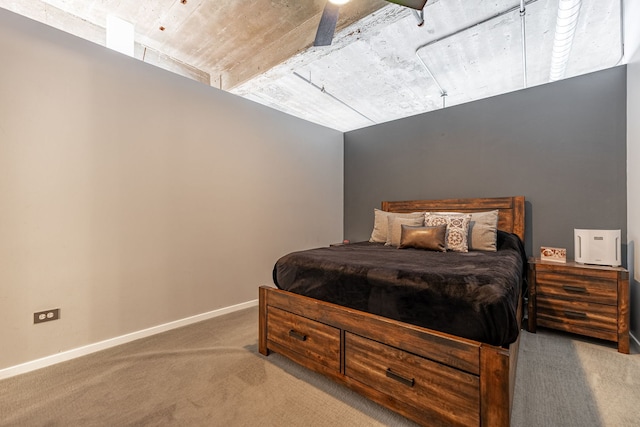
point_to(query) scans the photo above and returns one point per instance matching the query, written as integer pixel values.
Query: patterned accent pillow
(457, 229)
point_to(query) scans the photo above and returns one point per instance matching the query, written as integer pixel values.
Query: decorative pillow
(381, 223)
(457, 229)
(395, 228)
(483, 231)
(429, 238)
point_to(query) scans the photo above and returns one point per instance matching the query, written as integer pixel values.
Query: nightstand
(582, 299)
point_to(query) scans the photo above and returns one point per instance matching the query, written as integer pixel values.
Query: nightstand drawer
(430, 387)
(311, 339)
(597, 320)
(600, 290)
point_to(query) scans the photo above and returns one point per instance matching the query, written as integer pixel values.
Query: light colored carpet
(210, 374)
(564, 380)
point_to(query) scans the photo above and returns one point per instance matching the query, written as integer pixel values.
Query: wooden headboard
(510, 215)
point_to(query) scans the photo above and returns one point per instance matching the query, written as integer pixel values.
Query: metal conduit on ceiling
(521, 9)
(566, 24)
(523, 12)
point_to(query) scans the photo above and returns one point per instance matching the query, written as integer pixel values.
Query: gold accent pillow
(457, 229)
(429, 238)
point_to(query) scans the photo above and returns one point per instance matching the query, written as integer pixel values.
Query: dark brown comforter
(472, 295)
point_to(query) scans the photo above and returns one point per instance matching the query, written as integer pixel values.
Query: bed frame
(430, 377)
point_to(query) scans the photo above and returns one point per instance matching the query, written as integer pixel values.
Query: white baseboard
(112, 342)
(635, 341)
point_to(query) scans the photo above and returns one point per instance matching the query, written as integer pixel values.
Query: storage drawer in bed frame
(432, 378)
(317, 342)
(436, 391)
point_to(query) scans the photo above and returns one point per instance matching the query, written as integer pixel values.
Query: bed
(433, 375)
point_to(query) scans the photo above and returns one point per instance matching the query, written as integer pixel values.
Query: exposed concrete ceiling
(381, 65)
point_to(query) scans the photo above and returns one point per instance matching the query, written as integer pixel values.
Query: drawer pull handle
(575, 315)
(406, 381)
(577, 289)
(297, 335)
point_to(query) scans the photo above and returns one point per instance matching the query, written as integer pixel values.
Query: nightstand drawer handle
(406, 381)
(297, 335)
(575, 314)
(578, 289)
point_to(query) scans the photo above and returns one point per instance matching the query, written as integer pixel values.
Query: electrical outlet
(46, 316)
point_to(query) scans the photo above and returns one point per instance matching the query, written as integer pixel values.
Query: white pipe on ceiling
(419, 16)
(566, 24)
(443, 93)
(323, 90)
(523, 12)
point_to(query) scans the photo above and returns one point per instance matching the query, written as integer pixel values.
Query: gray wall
(131, 197)
(561, 145)
(632, 52)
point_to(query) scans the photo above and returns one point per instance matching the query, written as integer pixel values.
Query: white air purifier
(600, 247)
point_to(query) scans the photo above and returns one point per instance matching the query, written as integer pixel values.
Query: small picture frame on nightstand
(553, 254)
